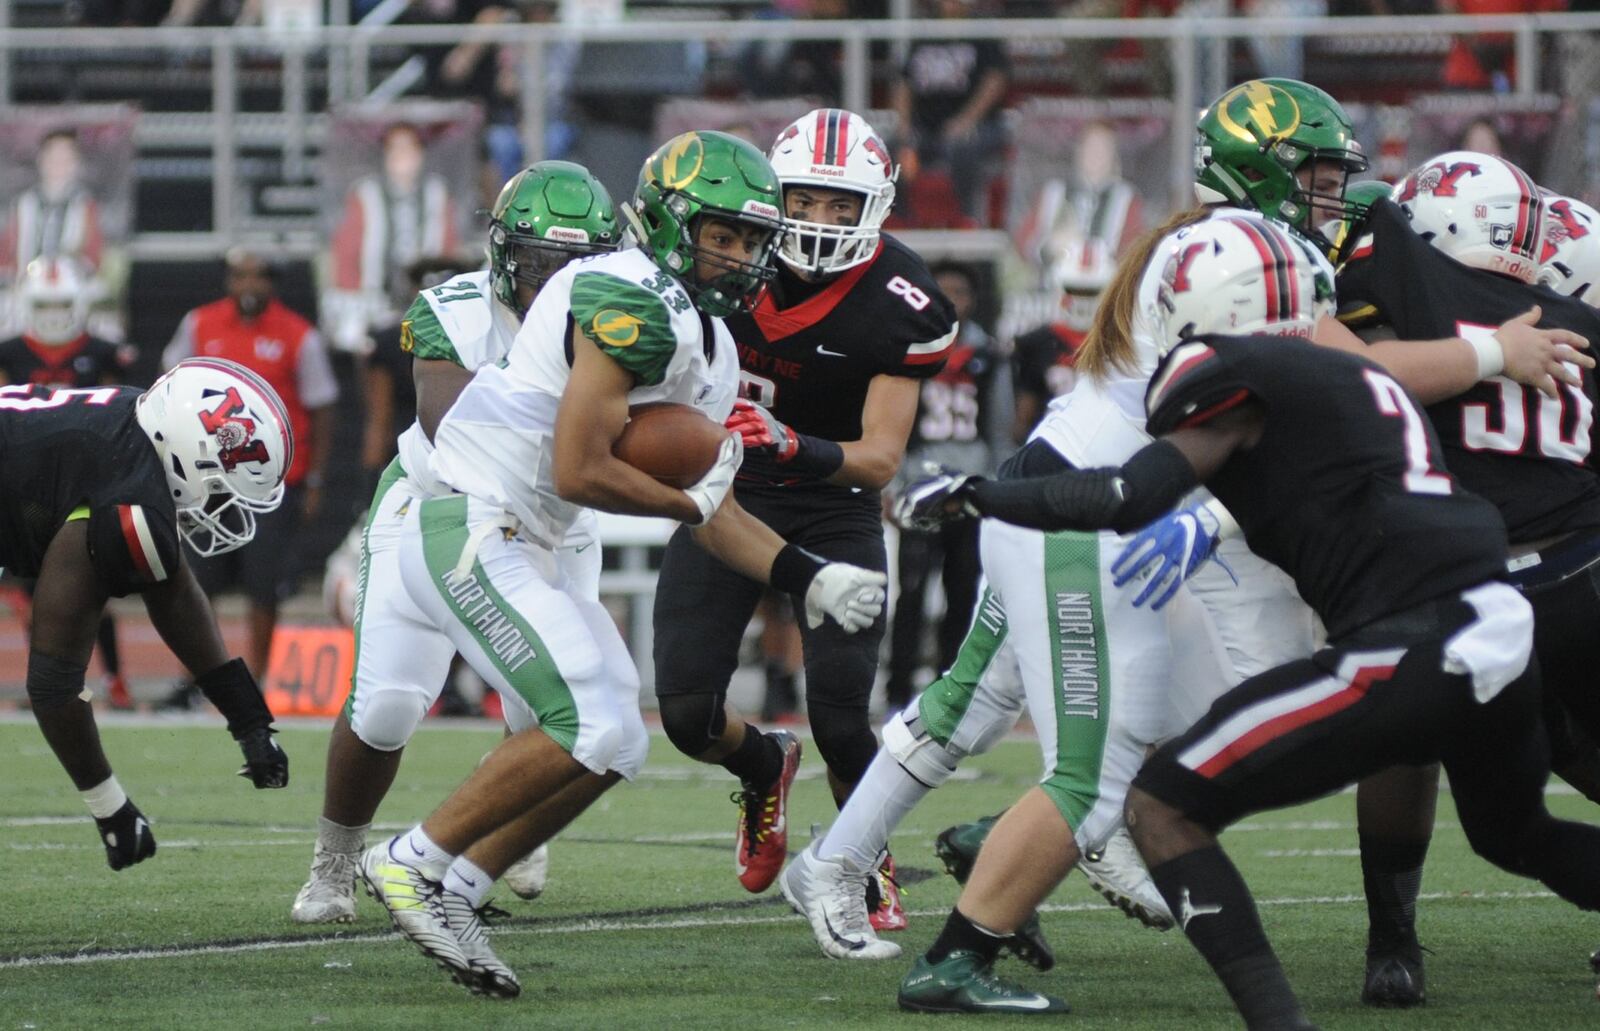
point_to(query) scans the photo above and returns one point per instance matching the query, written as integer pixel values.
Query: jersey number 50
(1506, 430)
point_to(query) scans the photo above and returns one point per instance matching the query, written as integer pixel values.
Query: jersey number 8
(913, 295)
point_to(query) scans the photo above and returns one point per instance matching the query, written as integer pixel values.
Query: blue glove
(1170, 550)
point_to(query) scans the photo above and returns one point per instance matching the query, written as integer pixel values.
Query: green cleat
(963, 983)
(957, 848)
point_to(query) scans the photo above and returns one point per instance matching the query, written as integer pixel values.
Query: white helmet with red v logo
(55, 294)
(1238, 275)
(224, 440)
(1481, 210)
(837, 150)
(1569, 260)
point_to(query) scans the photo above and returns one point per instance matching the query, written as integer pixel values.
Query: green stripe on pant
(500, 631)
(1075, 615)
(943, 704)
(393, 473)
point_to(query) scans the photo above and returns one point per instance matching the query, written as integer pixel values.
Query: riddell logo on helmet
(567, 234)
(825, 170)
(1438, 179)
(756, 207)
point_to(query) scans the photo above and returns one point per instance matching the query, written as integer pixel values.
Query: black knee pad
(844, 738)
(693, 722)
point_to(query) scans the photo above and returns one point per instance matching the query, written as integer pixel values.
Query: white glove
(708, 492)
(851, 595)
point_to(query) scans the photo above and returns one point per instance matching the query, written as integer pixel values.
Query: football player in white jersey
(545, 216)
(528, 448)
(1239, 629)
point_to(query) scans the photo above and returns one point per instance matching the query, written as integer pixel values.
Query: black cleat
(1395, 977)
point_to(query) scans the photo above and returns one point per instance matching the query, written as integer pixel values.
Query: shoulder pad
(1192, 384)
(133, 546)
(627, 321)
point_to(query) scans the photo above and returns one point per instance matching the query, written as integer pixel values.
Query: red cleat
(884, 911)
(762, 843)
(117, 695)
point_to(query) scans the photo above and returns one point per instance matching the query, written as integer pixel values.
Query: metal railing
(346, 52)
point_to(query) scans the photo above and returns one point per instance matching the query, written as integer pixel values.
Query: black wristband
(53, 682)
(793, 569)
(821, 458)
(232, 689)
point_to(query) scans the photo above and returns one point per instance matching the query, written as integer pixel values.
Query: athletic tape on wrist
(105, 798)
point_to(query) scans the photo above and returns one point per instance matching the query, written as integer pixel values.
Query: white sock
(336, 837)
(415, 848)
(882, 798)
(468, 880)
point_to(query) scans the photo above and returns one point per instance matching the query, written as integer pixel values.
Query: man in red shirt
(252, 327)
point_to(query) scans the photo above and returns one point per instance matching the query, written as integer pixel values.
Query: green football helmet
(1358, 201)
(1255, 137)
(709, 174)
(546, 215)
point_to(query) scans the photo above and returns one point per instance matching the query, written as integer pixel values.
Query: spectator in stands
(1487, 60)
(1280, 56)
(1481, 136)
(55, 217)
(251, 327)
(947, 100)
(955, 426)
(389, 221)
(802, 67)
(1093, 203)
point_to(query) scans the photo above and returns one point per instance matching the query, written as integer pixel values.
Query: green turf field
(644, 926)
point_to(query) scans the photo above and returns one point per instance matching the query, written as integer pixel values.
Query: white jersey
(459, 321)
(495, 442)
(1101, 422)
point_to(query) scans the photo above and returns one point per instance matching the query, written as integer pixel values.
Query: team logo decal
(681, 161)
(874, 146)
(1563, 224)
(407, 342)
(234, 432)
(615, 328)
(1175, 274)
(1269, 109)
(1438, 179)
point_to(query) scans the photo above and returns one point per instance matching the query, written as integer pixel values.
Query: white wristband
(1491, 356)
(105, 798)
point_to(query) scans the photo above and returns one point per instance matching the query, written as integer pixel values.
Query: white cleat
(412, 900)
(834, 900)
(329, 897)
(491, 977)
(527, 875)
(1118, 873)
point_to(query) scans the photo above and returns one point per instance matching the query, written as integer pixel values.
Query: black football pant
(953, 548)
(1310, 727)
(1564, 589)
(702, 608)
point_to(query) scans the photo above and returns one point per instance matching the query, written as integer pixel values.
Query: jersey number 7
(1421, 478)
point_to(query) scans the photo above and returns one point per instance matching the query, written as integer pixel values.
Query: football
(674, 443)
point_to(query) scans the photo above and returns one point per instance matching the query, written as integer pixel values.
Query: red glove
(761, 432)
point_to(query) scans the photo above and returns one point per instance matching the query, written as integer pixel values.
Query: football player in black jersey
(1334, 475)
(1043, 358)
(104, 482)
(831, 359)
(56, 349)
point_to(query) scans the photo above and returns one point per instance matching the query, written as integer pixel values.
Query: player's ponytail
(1108, 346)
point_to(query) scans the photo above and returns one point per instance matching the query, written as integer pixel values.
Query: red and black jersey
(1529, 454)
(85, 362)
(954, 406)
(65, 449)
(1346, 490)
(1043, 359)
(808, 351)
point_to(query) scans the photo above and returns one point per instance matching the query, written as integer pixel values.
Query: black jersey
(810, 361)
(85, 362)
(66, 450)
(1527, 453)
(954, 406)
(1044, 359)
(1345, 490)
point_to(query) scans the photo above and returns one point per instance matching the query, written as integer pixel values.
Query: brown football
(674, 443)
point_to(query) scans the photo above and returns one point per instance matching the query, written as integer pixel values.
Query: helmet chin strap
(635, 224)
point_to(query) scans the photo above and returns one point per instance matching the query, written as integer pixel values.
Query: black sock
(758, 761)
(1214, 907)
(961, 933)
(1391, 873)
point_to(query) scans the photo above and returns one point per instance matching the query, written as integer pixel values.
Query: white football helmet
(836, 150)
(1569, 259)
(1481, 210)
(224, 440)
(1082, 272)
(1238, 275)
(55, 295)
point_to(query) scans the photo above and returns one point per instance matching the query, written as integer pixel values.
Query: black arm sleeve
(1124, 499)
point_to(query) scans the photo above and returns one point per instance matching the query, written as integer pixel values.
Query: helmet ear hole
(177, 465)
